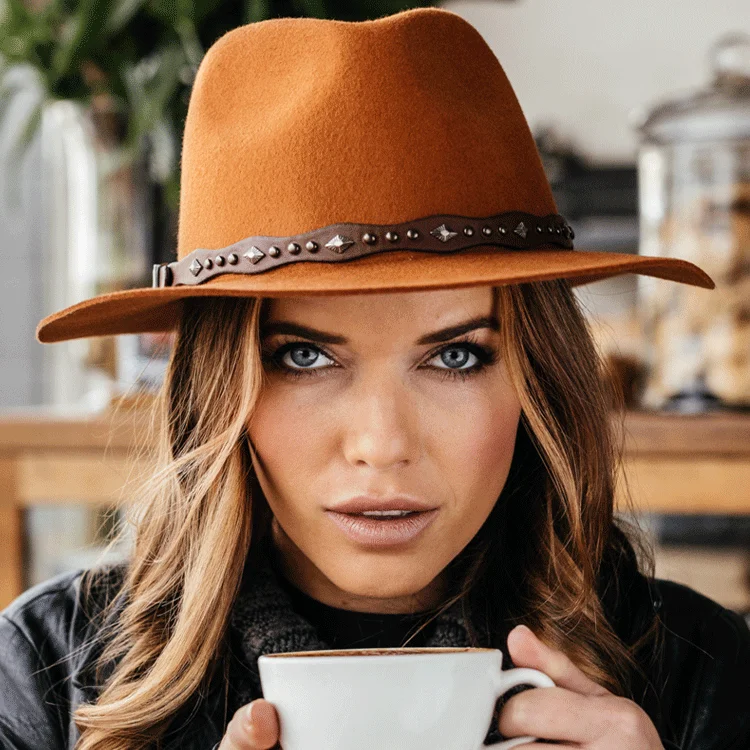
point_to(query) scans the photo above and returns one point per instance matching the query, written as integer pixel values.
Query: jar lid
(719, 112)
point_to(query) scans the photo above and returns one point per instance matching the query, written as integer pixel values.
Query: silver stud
(538, 228)
(443, 233)
(486, 231)
(254, 254)
(412, 234)
(274, 251)
(195, 267)
(339, 244)
(293, 248)
(469, 231)
(521, 230)
(369, 238)
(502, 230)
(312, 246)
(550, 229)
(391, 236)
(220, 260)
(558, 230)
(208, 263)
(233, 258)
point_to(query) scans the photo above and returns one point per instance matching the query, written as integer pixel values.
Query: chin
(379, 578)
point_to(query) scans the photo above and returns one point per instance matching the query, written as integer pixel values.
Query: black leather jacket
(699, 698)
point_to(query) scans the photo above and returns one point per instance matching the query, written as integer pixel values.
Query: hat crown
(299, 123)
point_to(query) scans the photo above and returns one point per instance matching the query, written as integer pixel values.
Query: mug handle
(504, 681)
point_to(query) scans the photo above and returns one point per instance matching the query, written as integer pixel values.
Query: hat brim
(158, 309)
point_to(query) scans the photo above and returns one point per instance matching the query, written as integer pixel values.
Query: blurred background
(641, 111)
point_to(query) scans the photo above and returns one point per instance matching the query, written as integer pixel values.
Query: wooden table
(673, 464)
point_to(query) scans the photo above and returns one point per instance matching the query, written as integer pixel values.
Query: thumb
(253, 727)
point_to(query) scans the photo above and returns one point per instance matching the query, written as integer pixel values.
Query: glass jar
(694, 203)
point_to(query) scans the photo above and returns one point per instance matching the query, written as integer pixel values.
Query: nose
(381, 428)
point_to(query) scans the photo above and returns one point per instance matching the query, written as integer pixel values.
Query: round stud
(550, 229)
(208, 263)
(487, 231)
(558, 230)
(538, 228)
(233, 259)
(502, 230)
(369, 238)
(412, 234)
(274, 251)
(312, 246)
(469, 231)
(391, 236)
(293, 248)
(220, 260)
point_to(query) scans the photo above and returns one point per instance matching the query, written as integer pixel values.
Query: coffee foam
(378, 652)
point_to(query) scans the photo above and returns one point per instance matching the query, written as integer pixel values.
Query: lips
(368, 531)
(363, 503)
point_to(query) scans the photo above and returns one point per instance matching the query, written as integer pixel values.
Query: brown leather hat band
(515, 230)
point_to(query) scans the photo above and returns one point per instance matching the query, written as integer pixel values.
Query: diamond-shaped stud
(195, 267)
(339, 244)
(443, 233)
(254, 254)
(521, 230)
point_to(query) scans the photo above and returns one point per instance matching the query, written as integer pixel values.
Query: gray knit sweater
(263, 621)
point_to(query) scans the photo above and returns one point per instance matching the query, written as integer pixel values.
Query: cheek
(288, 432)
(474, 444)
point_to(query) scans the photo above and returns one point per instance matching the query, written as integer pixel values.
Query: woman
(374, 315)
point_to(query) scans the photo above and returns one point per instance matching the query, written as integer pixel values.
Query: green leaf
(81, 34)
(257, 10)
(122, 14)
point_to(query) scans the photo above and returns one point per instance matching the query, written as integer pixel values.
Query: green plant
(138, 56)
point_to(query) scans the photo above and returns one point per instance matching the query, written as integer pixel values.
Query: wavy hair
(541, 557)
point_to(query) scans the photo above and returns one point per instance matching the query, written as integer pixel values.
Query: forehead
(413, 309)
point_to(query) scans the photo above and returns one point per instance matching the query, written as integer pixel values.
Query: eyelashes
(485, 356)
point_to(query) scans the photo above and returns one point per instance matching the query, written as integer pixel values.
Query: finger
(526, 650)
(554, 713)
(256, 731)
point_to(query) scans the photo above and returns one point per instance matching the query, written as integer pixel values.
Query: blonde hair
(199, 513)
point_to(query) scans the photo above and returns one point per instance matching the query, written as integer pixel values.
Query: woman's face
(398, 394)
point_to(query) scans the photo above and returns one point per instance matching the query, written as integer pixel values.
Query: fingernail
(249, 712)
(524, 628)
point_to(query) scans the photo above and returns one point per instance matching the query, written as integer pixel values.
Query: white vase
(97, 239)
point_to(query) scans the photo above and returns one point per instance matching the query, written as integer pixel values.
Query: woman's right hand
(259, 732)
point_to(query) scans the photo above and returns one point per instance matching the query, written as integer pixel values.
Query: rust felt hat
(335, 157)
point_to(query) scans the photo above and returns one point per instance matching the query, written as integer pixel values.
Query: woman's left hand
(577, 711)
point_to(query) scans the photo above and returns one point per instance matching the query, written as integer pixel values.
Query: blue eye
(305, 359)
(302, 356)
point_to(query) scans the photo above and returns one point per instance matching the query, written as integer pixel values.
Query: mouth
(383, 527)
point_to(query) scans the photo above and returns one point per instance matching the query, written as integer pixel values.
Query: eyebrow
(444, 334)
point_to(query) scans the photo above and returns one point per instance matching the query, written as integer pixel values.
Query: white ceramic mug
(394, 699)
